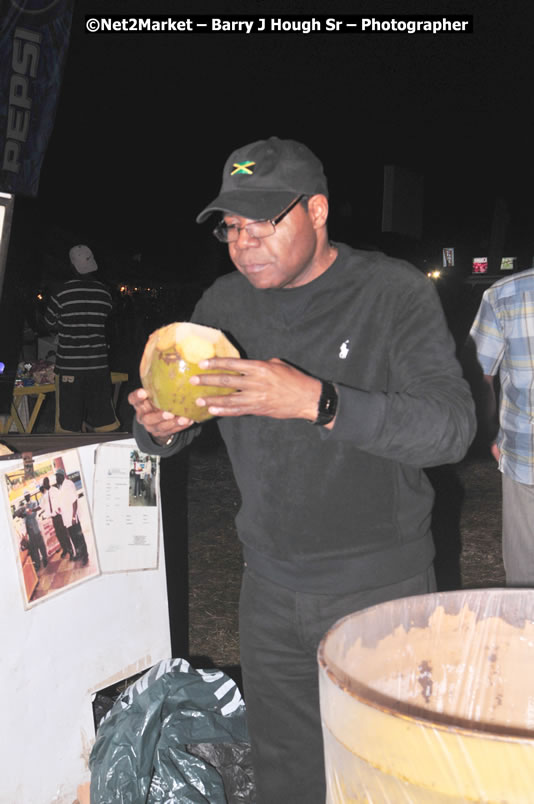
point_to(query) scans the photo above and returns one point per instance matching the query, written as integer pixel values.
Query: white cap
(82, 259)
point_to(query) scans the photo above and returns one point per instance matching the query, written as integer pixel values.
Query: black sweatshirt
(336, 511)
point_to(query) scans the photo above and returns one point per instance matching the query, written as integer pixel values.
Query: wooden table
(40, 391)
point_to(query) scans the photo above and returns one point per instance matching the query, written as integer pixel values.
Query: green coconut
(171, 357)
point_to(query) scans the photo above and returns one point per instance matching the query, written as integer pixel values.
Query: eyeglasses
(229, 233)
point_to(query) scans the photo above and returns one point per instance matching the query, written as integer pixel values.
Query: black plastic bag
(176, 735)
(234, 763)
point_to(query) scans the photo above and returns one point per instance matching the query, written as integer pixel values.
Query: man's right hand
(161, 424)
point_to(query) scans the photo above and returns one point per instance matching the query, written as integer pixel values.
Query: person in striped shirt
(503, 335)
(78, 310)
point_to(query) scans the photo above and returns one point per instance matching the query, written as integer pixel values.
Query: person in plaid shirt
(503, 334)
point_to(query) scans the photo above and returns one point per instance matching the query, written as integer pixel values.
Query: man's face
(283, 260)
(59, 480)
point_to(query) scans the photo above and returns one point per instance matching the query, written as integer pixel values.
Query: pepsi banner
(34, 36)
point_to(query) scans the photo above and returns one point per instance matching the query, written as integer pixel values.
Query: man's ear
(318, 210)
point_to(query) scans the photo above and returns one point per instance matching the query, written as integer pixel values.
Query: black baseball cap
(261, 179)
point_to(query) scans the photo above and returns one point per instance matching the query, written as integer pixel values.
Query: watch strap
(327, 407)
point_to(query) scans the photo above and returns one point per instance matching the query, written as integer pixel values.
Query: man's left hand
(263, 388)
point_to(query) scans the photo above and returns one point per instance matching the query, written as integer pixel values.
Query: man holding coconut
(347, 388)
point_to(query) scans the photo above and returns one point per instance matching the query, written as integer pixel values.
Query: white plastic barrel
(431, 699)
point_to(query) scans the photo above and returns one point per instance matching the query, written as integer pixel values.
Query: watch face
(327, 404)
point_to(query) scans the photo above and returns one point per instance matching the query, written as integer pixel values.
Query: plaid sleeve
(488, 336)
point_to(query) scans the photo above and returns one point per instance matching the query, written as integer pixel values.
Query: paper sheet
(126, 508)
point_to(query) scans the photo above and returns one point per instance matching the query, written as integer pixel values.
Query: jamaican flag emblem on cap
(242, 168)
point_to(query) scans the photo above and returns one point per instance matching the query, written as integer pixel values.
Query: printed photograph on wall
(51, 525)
(142, 488)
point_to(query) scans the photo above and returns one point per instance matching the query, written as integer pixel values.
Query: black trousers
(78, 540)
(62, 534)
(280, 631)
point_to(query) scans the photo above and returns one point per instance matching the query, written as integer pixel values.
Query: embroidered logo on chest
(344, 349)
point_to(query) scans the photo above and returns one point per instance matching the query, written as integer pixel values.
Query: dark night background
(145, 122)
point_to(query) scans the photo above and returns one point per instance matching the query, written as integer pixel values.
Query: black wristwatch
(327, 407)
